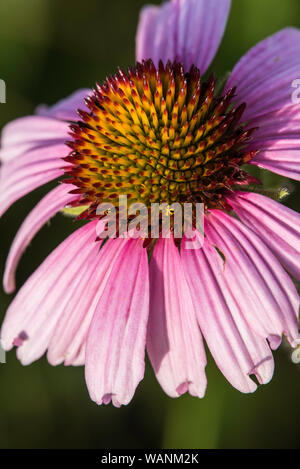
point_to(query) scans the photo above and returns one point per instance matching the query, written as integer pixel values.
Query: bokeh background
(49, 48)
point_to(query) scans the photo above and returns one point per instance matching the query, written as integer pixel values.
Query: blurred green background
(49, 48)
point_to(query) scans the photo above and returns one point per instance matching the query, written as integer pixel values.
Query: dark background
(49, 48)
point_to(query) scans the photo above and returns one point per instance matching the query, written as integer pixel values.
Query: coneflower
(159, 133)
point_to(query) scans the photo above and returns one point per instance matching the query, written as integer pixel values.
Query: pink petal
(44, 211)
(34, 131)
(265, 292)
(284, 168)
(21, 175)
(68, 341)
(237, 350)
(278, 141)
(66, 109)
(32, 148)
(188, 31)
(29, 165)
(277, 225)
(174, 340)
(115, 347)
(79, 360)
(33, 314)
(265, 74)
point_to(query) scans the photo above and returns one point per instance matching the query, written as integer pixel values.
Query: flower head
(160, 133)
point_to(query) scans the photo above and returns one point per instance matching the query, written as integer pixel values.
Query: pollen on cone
(158, 135)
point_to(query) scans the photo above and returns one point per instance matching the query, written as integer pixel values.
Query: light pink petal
(32, 316)
(44, 211)
(265, 292)
(68, 341)
(188, 31)
(48, 154)
(257, 310)
(24, 174)
(32, 148)
(277, 225)
(115, 348)
(237, 350)
(174, 340)
(34, 131)
(31, 152)
(66, 109)
(79, 360)
(265, 74)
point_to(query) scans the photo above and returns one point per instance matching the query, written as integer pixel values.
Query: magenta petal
(265, 74)
(237, 350)
(44, 211)
(284, 168)
(278, 142)
(115, 350)
(278, 226)
(188, 31)
(174, 341)
(264, 78)
(265, 292)
(66, 109)
(148, 30)
(34, 312)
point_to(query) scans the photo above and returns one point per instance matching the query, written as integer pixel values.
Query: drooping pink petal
(278, 226)
(22, 175)
(34, 131)
(188, 31)
(265, 74)
(52, 203)
(254, 308)
(265, 292)
(278, 142)
(68, 341)
(32, 316)
(174, 341)
(237, 350)
(115, 348)
(66, 109)
(32, 148)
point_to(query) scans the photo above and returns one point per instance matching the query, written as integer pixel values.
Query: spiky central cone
(158, 135)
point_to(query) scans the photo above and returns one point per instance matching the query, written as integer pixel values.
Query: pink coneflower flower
(159, 133)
